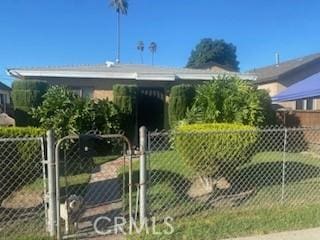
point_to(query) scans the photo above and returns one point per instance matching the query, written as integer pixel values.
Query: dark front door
(151, 108)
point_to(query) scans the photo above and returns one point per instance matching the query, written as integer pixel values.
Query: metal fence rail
(22, 188)
(91, 169)
(193, 172)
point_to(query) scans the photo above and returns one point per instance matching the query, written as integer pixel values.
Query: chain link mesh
(91, 169)
(193, 172)
(22, 188)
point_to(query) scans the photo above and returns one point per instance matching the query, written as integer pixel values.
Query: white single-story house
(96, 81)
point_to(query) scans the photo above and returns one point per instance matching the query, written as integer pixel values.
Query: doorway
(151, 108)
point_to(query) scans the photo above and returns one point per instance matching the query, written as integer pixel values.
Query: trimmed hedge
(20, 161)
(181, 99)
(15, 132)
(215, 149)
(125, 98)
(26, 94)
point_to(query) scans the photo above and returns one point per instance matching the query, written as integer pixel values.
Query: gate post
(143, 174)
(51, 184)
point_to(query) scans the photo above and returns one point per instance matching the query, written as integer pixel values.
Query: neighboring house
(278, 77)
(4, 97)
(96, 81)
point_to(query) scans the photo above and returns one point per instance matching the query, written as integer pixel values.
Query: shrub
(26, 95)
(231, 100)
(125, 98)
(181, 99)
(15, 132)
(215, 150)
(67, 113)
(20, 161)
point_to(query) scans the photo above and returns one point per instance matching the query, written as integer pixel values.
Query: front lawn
(286, 196)
(236, 223)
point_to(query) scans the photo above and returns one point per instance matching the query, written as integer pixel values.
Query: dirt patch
(23, 199)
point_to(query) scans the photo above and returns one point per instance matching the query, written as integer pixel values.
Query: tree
(121, 7)
(140, 47)
(153, 48)
(125, 98)
(210, 51)
(230, 100)
(180, 100)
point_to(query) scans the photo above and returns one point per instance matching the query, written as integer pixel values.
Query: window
(76, 91)
(305, 104)
(309, 104)
(299, 104)
(85, 92)
(2, 99)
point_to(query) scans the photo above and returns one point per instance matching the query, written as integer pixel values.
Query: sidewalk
(307, 234)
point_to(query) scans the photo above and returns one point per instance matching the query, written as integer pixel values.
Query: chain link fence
(193, 172)
(91, 171)
(22, 188)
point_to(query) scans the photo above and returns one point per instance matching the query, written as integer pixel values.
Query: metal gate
(93, 184)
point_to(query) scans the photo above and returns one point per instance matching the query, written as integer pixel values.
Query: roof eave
(22, 74)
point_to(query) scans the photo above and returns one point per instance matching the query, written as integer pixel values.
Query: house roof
(307, 88)
(275, 72)
(120, 71)
(4, 87)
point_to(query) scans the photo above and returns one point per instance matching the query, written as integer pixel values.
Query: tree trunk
(118, 47)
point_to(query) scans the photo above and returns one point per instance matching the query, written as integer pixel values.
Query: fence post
(143, 174)
(284, 164)
(51, 183)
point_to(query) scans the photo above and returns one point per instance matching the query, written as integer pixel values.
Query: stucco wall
(103, 94)
(272, 88)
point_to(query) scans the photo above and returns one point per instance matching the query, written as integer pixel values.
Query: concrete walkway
(103, 196)
(306, 234)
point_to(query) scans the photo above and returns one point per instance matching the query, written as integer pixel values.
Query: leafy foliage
(26, 95)
(125, 98)
(67, 113)
(121, 6)
(231, 100)
(226, 147)
(181, 99)
(15, 132)
(210, 51)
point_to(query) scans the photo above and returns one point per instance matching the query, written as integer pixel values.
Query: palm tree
(153, 49)
(140, 47)
(121, 7)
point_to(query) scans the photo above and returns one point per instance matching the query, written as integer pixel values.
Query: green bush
(26, 94)
(125, 98)
(20, 161)
(215, 150)
(67, 113)
(232, 100)
(15, 132)
(181, 99)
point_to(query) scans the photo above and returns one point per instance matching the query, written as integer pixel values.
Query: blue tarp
(309, 87)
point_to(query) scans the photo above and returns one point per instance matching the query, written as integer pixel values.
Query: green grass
(74, 180)
(236, 223)
(273, 206)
